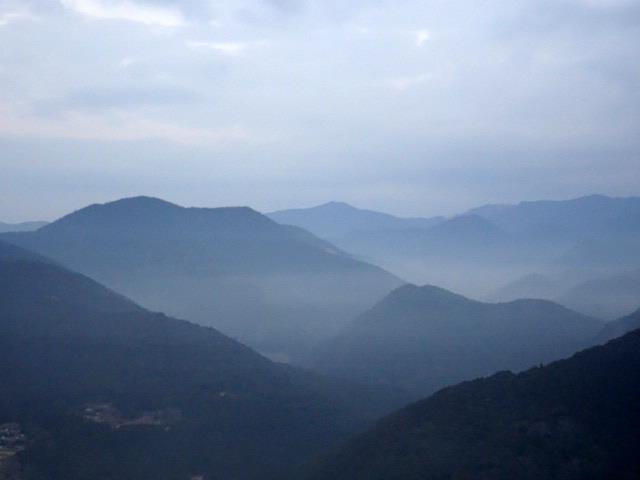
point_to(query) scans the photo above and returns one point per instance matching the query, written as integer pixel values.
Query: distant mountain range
(605, 296)
(277, 288)
(424, 338)
(619, 327)
(608, 297)
(21, 227)
(574, 419)
(567, 220)
(483, 249)
(533, 285)
(335, 220)
(105, 389)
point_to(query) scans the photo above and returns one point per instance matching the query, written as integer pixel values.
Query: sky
(414, 107)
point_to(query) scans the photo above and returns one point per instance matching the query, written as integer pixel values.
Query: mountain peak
(335, 205)
(142, 211)
(140, 200)
(423, 295)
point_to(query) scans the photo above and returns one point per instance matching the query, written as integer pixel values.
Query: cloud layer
(417, 107)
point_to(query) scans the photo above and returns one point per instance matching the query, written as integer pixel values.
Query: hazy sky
(407, 106)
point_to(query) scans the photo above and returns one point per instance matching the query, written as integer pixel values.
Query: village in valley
(12, 441)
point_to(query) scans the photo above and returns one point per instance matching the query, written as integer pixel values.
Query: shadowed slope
(424, 338)
(574, 419)
(226, 412)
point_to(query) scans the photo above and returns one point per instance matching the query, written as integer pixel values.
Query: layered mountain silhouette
(424, 338)
(487, 247)
(462, 251)
(608, 297)
(278, 288)
(594, 231)
(336, 220)
(106, 389)
(570, 220)
(606, 253)
(572, 420)
(620, 327)
(532, 285)
(605, 296)
(20, 227)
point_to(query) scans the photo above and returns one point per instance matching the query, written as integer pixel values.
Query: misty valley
(145, 340)
(319, 240)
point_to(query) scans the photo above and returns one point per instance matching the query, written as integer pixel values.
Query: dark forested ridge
(574, 419)
(276, 287)
(424, 338)
(104, 389)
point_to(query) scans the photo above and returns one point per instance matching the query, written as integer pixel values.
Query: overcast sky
(415, 107)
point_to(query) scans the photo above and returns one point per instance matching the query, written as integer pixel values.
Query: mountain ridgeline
(619, 327)
(277, 288)
(336, 220)
(105, 389)
(574, 419)
(425, 338)
(95, 386)
(479, 251)
(21, 227)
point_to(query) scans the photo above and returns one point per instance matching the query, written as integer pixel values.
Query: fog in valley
(319, 240)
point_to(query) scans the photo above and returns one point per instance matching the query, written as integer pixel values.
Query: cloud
(422, 36)
(126, 10)
(16, 16)
(370, 92)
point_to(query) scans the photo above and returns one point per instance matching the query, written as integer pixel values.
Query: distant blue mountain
(21, 227)
(573, 220)
(278, 288)
(335, 220)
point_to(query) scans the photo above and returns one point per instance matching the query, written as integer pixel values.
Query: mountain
(606, 253)
(573, 220)
(424, 338)
(593, 231)
(335, 220)
(461, 252)
(277, 288)
(102, 389)
(483, 249)
(574, 419)
(20, 227)
(607, 297)
(465, 235)
(619, 327)
(533, 285)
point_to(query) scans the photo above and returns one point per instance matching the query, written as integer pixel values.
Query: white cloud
(15, 16)
(422, 36)
(223, 48)
(126, 10)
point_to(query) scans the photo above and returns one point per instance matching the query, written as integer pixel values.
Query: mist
(319, 239)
